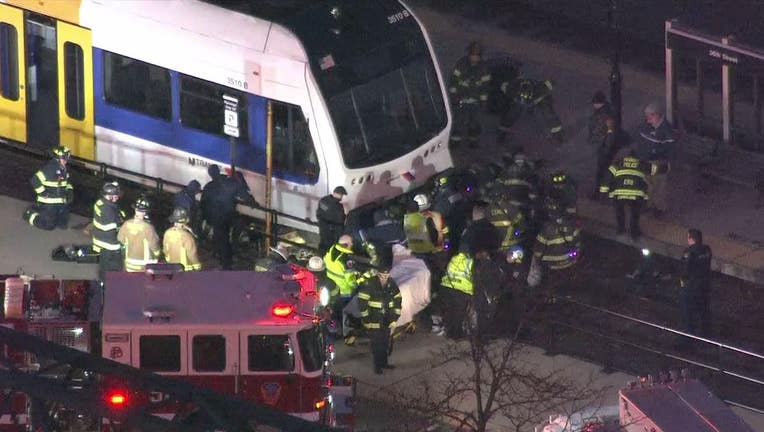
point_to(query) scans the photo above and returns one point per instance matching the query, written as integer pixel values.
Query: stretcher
(82, 254)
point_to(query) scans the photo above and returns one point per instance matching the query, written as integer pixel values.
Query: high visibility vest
(335, 259)
(417, 234)
(459, 274)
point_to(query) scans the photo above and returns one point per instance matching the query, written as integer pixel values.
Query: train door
(75, 89)
(42, 80)
(12, 74)
(269, 372)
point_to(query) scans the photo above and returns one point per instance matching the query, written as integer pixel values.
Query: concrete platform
(724, 206)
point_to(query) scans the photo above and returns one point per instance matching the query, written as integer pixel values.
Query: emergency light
(282, 310)
(645, 252)
(116, 398)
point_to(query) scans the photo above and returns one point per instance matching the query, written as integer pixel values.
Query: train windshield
(376, 73)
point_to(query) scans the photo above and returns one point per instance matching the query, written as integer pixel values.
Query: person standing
(480, 234)
(186, 199)
(695, 285)
(219, 199)
(139, 238)
(453, 206)
(107, 217)
(601, 112)
(626, 183)
(606, 151)
(426, 230)
(658, 147)
(469, 94)
(456, 294)
(379, 300)
(557, 248)
(54, 193)
(207, 201)
(179, 242)
(331, 218)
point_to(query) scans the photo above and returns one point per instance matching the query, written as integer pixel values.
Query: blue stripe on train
(250, 153)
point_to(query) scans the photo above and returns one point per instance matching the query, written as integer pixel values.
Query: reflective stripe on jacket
(469, 84)
(141, 244)
(459, 274)
(379, 305)
(626, 179)
(179, 246)
(51, 183)
(106, 220)
(558, 244)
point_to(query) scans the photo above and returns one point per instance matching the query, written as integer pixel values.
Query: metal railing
(715, 367)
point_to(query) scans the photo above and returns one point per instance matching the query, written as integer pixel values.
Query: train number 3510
(400, 16)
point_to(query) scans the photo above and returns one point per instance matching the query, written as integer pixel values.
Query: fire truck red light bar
(282, 310)
(117, 399)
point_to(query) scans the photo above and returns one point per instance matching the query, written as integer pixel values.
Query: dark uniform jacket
(379, 305)
(658, 144)
(51, 184)
(469, 84)
(520, 185)
(598, 125)
(696, 269)
(481, 235)
(627, 179)
(209, 198)
(508, 220)
(107, 217)
(558, 244)
(331, 219)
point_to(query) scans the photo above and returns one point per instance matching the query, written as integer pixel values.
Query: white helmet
(316, 264)
(422, 201)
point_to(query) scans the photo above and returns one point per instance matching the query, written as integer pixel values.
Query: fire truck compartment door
(214, 359)
(270, 369)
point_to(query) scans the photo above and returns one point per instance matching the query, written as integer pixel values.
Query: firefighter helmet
(474, 48)
(179, 215)
(559, 177)
(111, 188)
(61, 152)
(441, 181)
(422, 201)
(526, 90)
(142, 204)
(316, 264)
(346, 240)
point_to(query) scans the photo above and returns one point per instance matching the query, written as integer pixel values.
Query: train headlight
(323, 296)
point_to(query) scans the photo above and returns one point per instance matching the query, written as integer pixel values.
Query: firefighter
(331, 218)
(340, 269)
(508, 219)
(534, 96)
(695, 286)
(606, 151)
(318, 268)
(139, 238)
(456, 294)
(426, 230)
(452, 205)
(469, 94)
(626, 183)
(54, 193)
(557, 248)
(277, 256)
(520, 183)
(563, 190)
(179, 242)
(379, 301)
(480, 234)
(107, 217)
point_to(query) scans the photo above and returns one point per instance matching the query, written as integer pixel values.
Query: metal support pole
(615, 71)
(726, 100)
(757, 110)
(268, 175)
(232, 145)
(701, 105)
(670, 80)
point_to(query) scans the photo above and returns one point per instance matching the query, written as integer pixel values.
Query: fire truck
(669, 404)
(258, 336)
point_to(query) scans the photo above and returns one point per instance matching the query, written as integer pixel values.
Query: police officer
(219, 199)
(139, 238)
(107, 217)
(379, 301)
(456, 294)
(426, 230)
(626, 183)
(179, 242)
(54, 193)
(695, 285)
(534, 96)
(563, 190)
(186, 199)
(557, 247)
(387, 229)
(331, 218)
(469, 93)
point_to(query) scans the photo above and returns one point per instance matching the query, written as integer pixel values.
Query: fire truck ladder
(88, 394)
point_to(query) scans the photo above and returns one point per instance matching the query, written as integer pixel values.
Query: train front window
(388, 116)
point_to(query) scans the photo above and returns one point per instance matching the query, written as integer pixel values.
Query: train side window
(201, 106)
(9, 62)
(208, 353)
(293, 150)
(270, 353)
(137, 86)
(160, 353)
(74, 69)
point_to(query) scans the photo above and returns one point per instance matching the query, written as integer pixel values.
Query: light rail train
(355, 93)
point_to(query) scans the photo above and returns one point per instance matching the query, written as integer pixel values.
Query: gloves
(69, 196)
